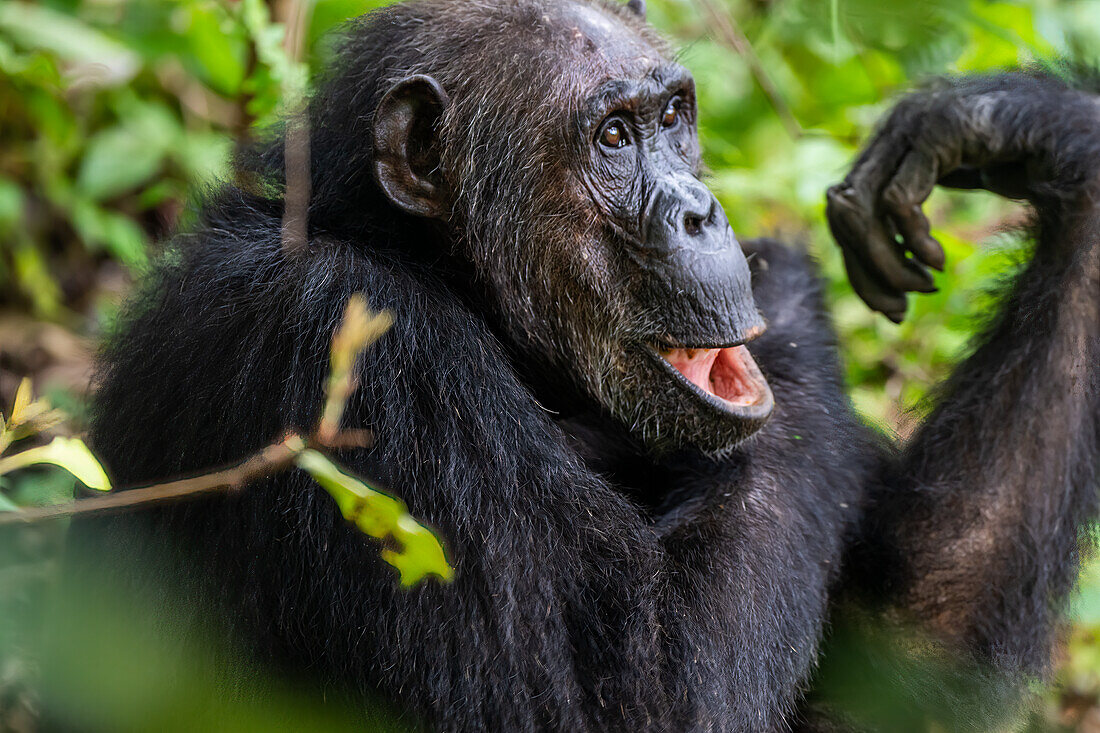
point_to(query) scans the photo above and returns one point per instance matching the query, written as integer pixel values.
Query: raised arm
(973, 530)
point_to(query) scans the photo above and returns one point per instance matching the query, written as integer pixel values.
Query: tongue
(729, 374)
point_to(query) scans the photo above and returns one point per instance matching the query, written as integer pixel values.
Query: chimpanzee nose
(684, 213)
(695, 218)
(692, 268)
(699, 207)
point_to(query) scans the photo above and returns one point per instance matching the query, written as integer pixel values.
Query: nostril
(693, 224)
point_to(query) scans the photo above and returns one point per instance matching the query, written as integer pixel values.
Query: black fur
(597, 588)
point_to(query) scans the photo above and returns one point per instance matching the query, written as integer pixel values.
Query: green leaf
(381, 516)
(22, 401)
(330, 14)
(11, 204)
(1085, 602)
(68, 453)
(116, 161)
(217, 47)
(118, 234)
(46, 486)
(12, 62)
(205, 156)
(122, 157)
(34, 278)
(33, 26)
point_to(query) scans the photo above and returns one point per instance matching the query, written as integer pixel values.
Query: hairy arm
(973, 528)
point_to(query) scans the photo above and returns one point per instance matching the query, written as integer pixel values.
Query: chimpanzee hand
(1020, 136)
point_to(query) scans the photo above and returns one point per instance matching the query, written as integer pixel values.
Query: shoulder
(800, 345)
(786, 284)
(814, 421)
(229, 334)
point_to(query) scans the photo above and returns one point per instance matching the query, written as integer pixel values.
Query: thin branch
(295, 228)
(296, 15)
(296, 199)
(345, 439)
(271, 459)
(730, 33)
(359, 328)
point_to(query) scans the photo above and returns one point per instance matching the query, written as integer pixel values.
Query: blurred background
(114, 113)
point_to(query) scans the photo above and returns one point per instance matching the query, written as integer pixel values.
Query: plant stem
(272, 459)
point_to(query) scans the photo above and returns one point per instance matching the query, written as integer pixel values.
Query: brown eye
(671, 113)
(613, 136)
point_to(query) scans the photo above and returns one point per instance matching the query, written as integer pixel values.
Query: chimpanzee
(630, 428)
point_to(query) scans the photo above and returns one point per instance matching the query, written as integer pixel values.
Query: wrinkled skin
(643, 538)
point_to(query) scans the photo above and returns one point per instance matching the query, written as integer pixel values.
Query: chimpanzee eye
(613, 135)
(671, 113)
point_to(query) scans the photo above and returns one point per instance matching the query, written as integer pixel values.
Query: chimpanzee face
(682, 266)
(623, 272)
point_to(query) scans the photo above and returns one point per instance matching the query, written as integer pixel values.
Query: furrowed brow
(672, 78)
(633, 93)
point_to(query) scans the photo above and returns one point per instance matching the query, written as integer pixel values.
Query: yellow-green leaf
(68, 453)
(381, 516)
(22, 402)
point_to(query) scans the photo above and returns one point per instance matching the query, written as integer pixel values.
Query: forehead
(604, 36)
(595, 26)
(609, 51)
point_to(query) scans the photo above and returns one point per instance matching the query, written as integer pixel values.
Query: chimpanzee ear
(406, 146)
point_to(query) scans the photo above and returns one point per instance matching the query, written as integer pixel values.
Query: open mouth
(727, 378)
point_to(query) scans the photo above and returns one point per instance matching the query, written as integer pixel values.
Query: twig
(732, 35)
(295, 228)
(296, 199)
(271, 459)
(359, 328)
(296, 16)
(347, 438)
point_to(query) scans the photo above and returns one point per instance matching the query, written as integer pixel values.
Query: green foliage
(111, 114)
(28, 418)
(135, 676)
(412, 549)
(419, 552)
(113, 660)
(68, 453)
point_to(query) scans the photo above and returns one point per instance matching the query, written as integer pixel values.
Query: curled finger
(890, 303)
(862, 233)
(902, 199)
